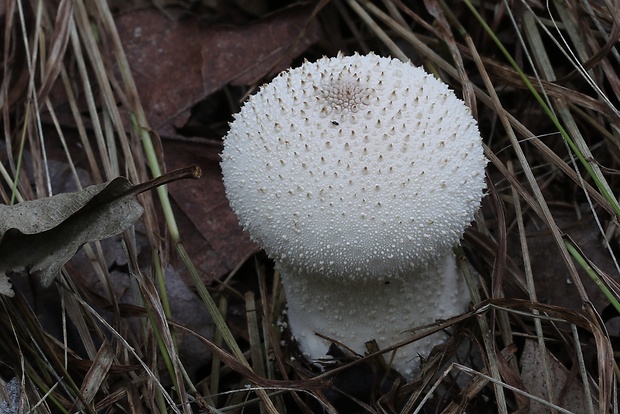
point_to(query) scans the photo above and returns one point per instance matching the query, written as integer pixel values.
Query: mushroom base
(354, 313)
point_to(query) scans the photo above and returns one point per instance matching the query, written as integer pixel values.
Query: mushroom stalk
(385, 310)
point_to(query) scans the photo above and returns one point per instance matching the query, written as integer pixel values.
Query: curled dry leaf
(40, 236)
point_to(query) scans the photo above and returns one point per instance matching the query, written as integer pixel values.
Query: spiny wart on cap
(354, 167)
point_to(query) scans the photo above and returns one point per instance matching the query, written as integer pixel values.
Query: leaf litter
(390, 27)
(177, 63)
(565, 389)
(39, 236)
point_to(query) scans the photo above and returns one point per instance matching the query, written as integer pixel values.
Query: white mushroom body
(358, 175)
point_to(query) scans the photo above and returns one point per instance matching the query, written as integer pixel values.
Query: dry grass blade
(563, 95)
(58, 47)
(604, 374)
(95, 376)
(254, 335)
(541, 79)
(69, 32)
(531, 288)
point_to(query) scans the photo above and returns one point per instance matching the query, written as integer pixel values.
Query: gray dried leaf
(40, 236)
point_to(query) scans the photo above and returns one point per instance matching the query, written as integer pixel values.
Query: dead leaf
(5, 286)
(554, 287)
(211, 232)
(40, 236)
(185, 307)
(176, 64)
(532, 374)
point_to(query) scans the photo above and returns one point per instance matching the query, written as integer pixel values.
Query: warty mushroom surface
(358, 175)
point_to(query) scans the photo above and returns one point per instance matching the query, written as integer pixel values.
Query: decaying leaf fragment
(40, 236)
(566, 392)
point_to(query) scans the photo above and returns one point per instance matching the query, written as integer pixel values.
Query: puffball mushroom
(358, 175)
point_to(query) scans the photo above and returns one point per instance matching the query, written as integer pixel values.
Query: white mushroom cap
(358, 167)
